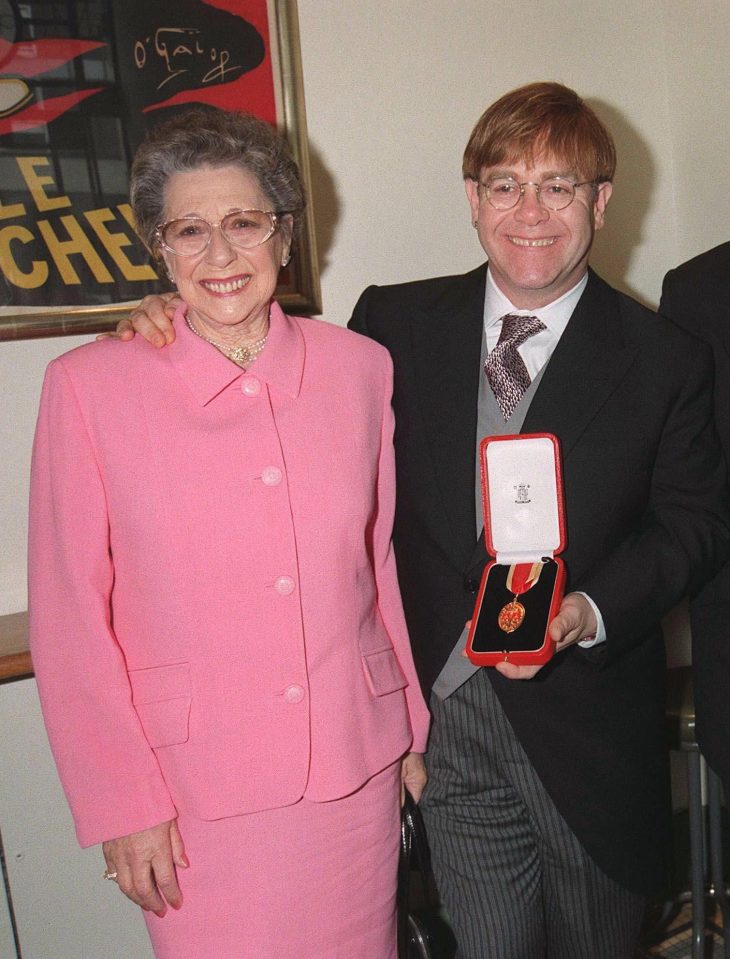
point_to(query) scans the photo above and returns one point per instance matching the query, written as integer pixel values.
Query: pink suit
(216, 626)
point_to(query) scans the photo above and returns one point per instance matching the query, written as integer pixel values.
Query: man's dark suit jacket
(628, 395)
(697, 296)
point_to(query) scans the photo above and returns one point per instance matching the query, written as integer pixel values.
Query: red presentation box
(524, 528)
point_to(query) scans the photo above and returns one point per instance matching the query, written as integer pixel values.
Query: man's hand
(145, 862)
(413, 776)
(575, 621)
(152, 319)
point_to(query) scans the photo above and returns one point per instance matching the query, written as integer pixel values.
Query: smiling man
(547, 801)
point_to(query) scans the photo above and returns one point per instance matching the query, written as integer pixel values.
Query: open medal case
(524, 528)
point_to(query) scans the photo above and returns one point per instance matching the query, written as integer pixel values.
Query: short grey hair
(211, 137)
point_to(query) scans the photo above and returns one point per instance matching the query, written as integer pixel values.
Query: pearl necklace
(242, 355)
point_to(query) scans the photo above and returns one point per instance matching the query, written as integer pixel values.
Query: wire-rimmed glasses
(190, 235)
(554, 193)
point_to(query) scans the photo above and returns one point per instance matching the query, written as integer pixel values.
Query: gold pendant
(511, 616)
(240, 354)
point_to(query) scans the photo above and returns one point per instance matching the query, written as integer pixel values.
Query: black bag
(422, 931)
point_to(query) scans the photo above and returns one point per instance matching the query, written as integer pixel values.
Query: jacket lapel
(587, 366)
(446, 340)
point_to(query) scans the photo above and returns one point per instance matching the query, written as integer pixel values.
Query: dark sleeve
(664, 303)
(359, 319)
(684, 536)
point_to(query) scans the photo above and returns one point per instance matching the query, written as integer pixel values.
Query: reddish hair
(541, 119)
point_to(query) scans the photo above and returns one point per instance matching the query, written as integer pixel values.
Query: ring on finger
(110, 874)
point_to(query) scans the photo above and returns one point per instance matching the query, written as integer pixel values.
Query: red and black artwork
(80, 83)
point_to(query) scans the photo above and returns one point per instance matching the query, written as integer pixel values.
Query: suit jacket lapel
(588, 364)
(446, 346)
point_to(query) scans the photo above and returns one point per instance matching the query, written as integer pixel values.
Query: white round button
(250, 386)
(271, 476)
(294, 694)
(284, 585)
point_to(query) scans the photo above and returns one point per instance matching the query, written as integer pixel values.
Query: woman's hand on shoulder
(413, 775)
(144, 864)
(152, 319)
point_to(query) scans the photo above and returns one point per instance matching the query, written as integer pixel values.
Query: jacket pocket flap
(165, 723)
(383, 672)
(161, 696)
(156, 683)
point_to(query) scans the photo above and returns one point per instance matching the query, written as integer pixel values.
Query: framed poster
(80, 83)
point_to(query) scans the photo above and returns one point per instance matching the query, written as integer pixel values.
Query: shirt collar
(208, 372)
(555, 315)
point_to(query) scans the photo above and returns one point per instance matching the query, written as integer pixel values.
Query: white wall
(21, 376)
(63, 909)
(698, 90)
(392, 91)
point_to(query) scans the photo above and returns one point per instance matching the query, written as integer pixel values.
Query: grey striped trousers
(515, 881)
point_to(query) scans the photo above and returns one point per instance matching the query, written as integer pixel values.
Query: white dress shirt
(538, 349)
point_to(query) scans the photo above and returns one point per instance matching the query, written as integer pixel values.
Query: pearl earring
(285, 260)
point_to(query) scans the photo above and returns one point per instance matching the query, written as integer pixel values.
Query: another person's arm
(152, 319)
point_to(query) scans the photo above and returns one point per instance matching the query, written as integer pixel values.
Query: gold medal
(511, 616)
(520, 578)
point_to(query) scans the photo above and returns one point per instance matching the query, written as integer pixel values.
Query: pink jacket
(216, 625)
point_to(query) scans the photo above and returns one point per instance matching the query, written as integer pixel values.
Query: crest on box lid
(522, 489)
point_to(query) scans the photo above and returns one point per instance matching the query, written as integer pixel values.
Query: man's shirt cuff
(600, 636)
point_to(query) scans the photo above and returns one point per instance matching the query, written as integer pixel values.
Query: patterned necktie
(505, 369)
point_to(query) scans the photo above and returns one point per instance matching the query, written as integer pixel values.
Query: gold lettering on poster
(113, 243)
(36, 183)
(65, 237)
(13, 274)
(79, 243)
(8, 212)
(181, 49)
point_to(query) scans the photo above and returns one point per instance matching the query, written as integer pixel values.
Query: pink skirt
(312, 880)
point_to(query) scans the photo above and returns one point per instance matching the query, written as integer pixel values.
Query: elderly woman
(216, 626)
